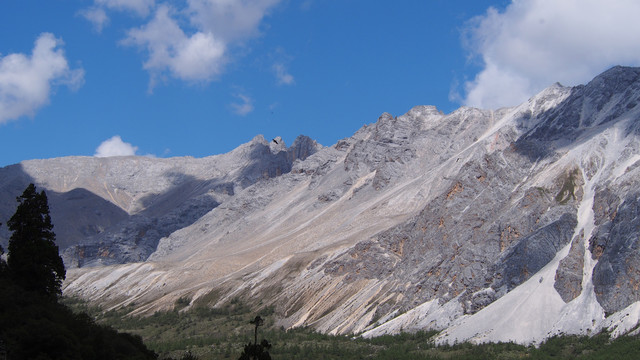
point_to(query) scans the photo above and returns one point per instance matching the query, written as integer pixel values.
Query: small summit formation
(277, 144)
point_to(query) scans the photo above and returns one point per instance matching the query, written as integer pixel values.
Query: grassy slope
(222, 333)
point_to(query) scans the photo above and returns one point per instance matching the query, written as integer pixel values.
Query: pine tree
(256, 351)
(33, 259)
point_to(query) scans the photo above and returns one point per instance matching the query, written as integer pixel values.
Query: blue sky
(200, 77)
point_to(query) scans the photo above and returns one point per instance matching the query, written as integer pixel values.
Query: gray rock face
(92, 215)
(134, 238)
(269, 160)
(533, 252)
(454, 247)
(603, 100)
(387, 147)
(569, 274)
(617, 275)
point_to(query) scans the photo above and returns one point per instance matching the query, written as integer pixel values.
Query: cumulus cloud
(140, 7)
(282, 75)
(97, 16)
(26, 81)
(243, 108)
(115, 147)
(230, 20)
(188, 40)
(534, 43)
(191, 42)
(196, 57)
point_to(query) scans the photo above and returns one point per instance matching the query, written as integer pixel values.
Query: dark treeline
(33, 324)
(37, 328)
(223, 333)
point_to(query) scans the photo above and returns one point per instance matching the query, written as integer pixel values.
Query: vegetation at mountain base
(32, 327)
(33, 324)
(255, 351)
(222, 333)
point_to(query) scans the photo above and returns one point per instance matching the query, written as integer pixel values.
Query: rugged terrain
(513, 224)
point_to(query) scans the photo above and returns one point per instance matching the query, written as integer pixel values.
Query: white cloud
(26, 81)
(140, 7)
(196, 57)
(115, 147)
(243, 108)
(228, 19)
(97, 16)
(192, 42)
(282, 75)
(190, 39)
(534, 43)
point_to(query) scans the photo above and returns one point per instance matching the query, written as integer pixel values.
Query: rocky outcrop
(569, 274)
(617, 274)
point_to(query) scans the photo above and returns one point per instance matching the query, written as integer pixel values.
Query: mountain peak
(618, 74)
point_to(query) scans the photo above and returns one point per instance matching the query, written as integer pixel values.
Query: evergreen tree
(33, 259)
(38, 327)
(256, 351)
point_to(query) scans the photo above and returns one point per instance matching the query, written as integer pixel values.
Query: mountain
(115, 210)
(514, 224)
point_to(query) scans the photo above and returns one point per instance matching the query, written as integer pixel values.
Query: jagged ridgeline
(513, 224)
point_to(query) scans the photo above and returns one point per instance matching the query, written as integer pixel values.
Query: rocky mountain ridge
(514, 224)
(121, 207)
